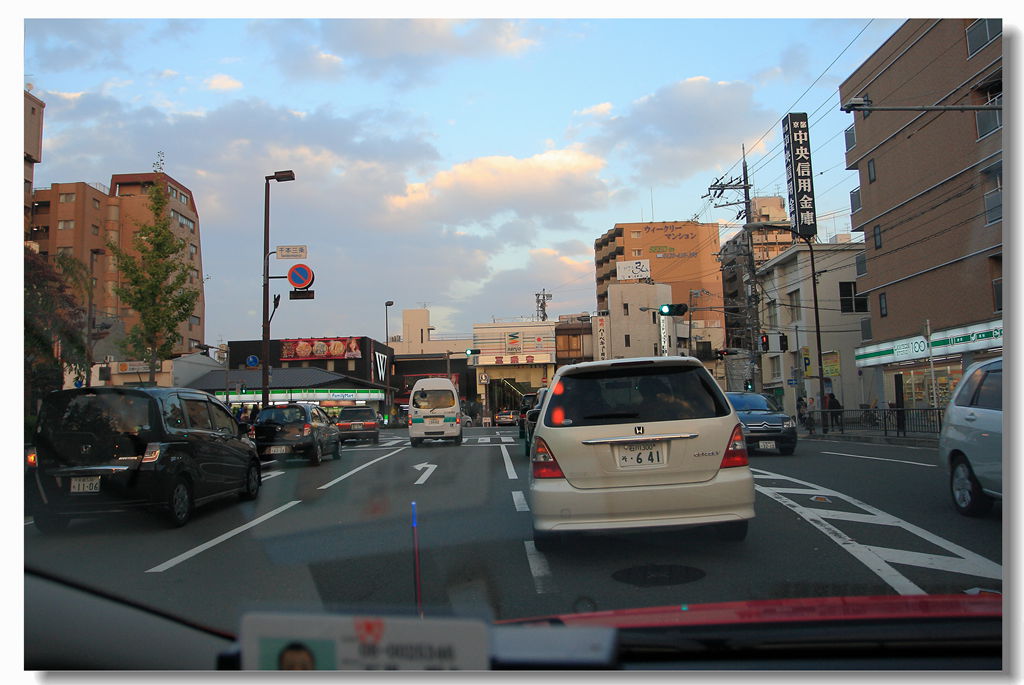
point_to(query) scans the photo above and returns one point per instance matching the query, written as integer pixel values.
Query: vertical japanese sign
(797, 141)
(600, 328)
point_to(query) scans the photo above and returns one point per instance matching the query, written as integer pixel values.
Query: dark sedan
(765, 426)
(103, 450)
(296, 429)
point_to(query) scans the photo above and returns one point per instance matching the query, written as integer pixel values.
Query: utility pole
(753, 316)
(542, 304)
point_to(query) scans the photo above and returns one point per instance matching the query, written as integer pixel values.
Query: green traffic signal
(673, 309)
(471, 351)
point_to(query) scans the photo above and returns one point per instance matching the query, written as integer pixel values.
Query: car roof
(629, 361)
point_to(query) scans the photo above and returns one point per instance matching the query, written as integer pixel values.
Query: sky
(461, 165)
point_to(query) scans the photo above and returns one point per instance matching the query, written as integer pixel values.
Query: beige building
(418, 336)
(515, 358)
(79, 219)
(929, 205)
(788, 308)
(33, 151)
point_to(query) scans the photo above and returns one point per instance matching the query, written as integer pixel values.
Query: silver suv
(971, 441)
(635, 444)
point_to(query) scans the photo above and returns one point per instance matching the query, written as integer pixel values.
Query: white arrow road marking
(878, 559)
(429, 470)
(216, 541)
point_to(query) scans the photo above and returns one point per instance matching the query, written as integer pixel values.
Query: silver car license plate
(90, 484)
(278, 449)
(640, 455)
(766, 444)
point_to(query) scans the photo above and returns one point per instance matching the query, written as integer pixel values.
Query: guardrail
(879, 421)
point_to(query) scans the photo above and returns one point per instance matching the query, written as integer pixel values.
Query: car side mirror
(533, 415)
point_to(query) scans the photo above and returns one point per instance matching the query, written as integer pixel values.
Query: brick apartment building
(79, 219)
(929, 205)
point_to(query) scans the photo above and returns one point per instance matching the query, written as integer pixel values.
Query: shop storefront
(918, 373)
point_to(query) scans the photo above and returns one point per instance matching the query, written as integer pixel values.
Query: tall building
(33, 150)
(767, 244)
(929, 205)
(79, 219)
(680, 254)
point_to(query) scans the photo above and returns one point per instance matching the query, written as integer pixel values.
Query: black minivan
(109, 449)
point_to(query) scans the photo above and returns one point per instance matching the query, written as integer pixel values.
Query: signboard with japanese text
(799, 176)
(291, 252)
(521, 358)
(634, 270)
(514, 342)
(135, 367)
(600, 325)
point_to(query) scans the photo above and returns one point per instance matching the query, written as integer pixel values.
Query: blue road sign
(252, 360)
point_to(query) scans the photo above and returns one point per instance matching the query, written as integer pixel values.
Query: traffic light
(673, 309)
(764, 342)
(748, 385)
(783, 342)
(471, 351)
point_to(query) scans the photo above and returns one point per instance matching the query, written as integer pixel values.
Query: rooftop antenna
(542, 304)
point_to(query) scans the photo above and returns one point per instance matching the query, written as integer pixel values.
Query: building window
(95, 229)
(981, 33)
(865, 329)
(794, 306)
(67, 197)
(862, 264)
(172, 191)
(95, 203)
(65, 251)
(877, 233)
(625, 308)
(849, 300)
(193, 321)
(638, 253)
(192, 343)
(871, 171)
(627, 340)
(883, 308)
(993, 206)
(66, 224)
(851, 138)
(193, 276)
(990, 120)
(776, 367)
(854, 200)
(184, 199)
(773, 314)
(997, 294)
(192, 250)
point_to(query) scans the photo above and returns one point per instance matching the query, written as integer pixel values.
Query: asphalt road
(835, 518)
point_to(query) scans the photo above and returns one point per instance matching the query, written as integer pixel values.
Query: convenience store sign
(982, 336)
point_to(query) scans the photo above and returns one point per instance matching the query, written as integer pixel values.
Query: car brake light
(544, 464)
(343, 425)
(306, 429)
(458, 420)
(152, 453)
(736, 450)
(32, 459)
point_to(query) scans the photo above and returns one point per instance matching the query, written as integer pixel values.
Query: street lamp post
(387, 369)
(90, 316)
(279, 176)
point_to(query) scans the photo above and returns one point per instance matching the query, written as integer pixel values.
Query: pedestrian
(801, 410)
(810, 416)
(835, 411)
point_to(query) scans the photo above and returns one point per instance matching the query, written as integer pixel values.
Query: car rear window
(359, 414)
(629, 395)
(433, 399)
(752, 402)
(282, 415)
(99, 413)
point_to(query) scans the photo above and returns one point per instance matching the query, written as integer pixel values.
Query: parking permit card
(273, 642)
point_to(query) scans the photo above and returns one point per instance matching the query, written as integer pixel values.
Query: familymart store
(922, 371)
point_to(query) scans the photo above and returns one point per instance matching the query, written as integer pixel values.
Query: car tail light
(736, 451)
(32, 459)
(410, 420)
(370, 424)
(306, 429)
(343, 425)
(458, 420)
(544, 464)
(152, 453)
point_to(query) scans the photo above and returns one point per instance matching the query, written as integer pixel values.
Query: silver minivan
(636, 444)
(971, 441)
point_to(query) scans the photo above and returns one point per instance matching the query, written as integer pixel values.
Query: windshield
(433, 399)
(532, 317)
(749, 402)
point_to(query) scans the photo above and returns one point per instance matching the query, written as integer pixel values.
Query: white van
(434, 411)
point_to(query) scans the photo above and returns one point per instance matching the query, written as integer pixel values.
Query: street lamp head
(389, 303)
(287, 175)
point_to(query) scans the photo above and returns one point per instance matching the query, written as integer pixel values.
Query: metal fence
(879, 421)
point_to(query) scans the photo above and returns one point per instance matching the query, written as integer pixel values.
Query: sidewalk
(926, 440)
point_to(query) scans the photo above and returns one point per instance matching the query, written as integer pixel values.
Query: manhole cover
(654, 575)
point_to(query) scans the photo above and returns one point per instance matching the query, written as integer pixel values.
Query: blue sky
(463, 164)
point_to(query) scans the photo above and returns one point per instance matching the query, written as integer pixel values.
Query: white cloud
(222, 82)
(602, 110)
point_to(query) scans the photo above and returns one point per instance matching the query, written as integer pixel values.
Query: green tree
(54, 330)
(154, 284)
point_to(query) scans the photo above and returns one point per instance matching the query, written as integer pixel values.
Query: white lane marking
(509, 469)
(898, 461)
(877, 558)
(507, 440)
(539, 569)
(217, 540)
(483, 441)
(357, 469)
(520, 501)
(429, 470)
(270, 474)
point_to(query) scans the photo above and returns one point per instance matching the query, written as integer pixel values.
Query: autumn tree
(154, 283)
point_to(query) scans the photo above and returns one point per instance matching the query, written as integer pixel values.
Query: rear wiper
(614, 415)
